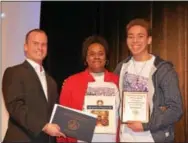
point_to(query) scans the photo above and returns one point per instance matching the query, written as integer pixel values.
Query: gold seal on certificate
(135, 107)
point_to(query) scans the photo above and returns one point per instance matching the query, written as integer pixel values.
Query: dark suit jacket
(27, 105)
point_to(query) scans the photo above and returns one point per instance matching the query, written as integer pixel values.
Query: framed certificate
(135, 107)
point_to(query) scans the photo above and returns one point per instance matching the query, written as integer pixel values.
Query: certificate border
(147, 106)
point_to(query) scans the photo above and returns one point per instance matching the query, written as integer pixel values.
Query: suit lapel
(34, 76)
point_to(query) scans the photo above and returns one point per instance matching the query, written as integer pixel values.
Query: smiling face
(36, 46)
(138, 40)
(96, 58)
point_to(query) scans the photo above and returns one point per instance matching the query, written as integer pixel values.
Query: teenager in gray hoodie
(145, 72)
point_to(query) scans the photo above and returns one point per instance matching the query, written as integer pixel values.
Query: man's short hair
(141, 22)
(33, 30)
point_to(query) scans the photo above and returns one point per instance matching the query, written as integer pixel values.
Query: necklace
(138, 73)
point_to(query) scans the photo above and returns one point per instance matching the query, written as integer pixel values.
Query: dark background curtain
(68, 24)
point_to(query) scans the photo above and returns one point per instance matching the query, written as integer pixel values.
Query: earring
(85, 63)
(107, 62)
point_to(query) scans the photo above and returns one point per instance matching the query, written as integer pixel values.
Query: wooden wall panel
(170, 29)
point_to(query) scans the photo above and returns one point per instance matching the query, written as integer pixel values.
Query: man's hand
(135, 126)
(53, 130)
(163, 108)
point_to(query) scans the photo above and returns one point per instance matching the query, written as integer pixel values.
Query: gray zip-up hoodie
(166, 93)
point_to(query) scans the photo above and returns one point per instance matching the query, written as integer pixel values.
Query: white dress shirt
(41, 75)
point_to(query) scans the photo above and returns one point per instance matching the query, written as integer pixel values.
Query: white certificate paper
(135, 107)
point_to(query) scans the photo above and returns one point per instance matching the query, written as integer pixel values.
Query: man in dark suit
(30, 94)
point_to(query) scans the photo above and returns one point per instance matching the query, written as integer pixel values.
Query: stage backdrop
(17, 18)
